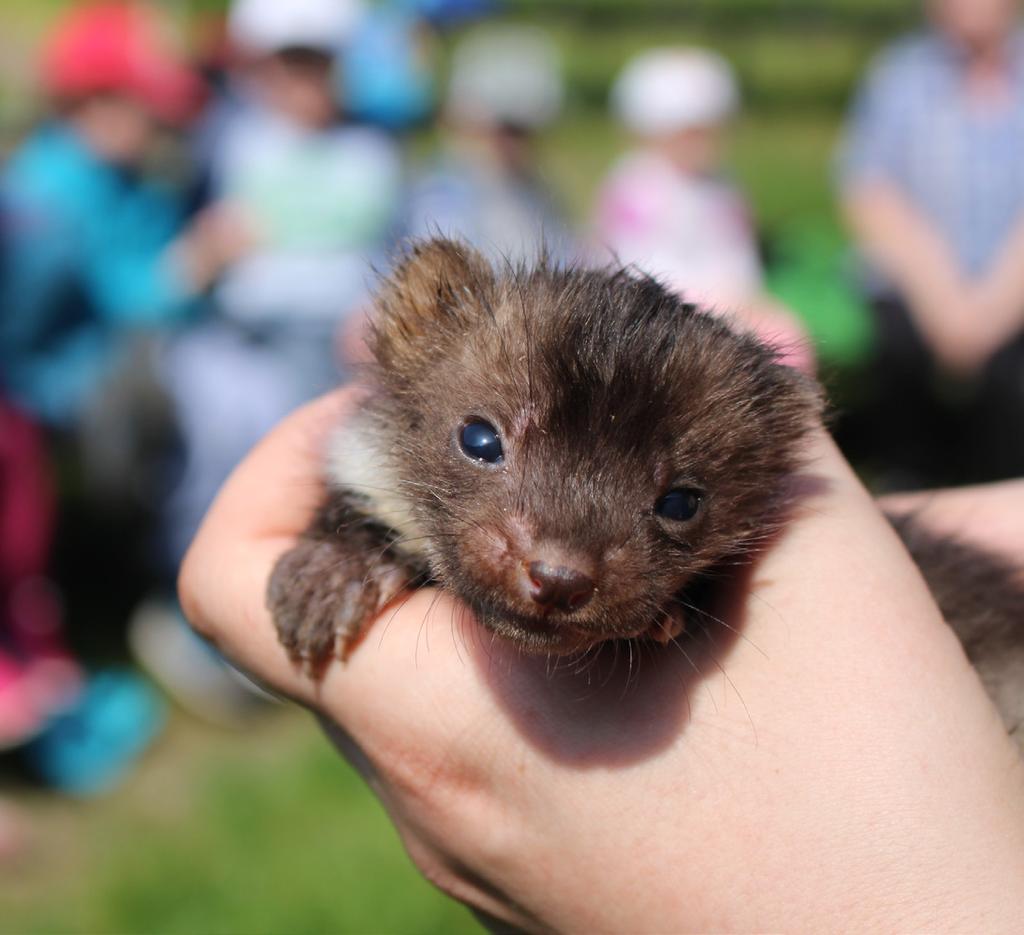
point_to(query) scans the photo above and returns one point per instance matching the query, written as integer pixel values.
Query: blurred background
(194, 197)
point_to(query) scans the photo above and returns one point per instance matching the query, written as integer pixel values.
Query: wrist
(190, 265)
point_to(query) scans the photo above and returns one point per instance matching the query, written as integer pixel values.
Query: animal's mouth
(547, 630)
(535, 632)
(553, 634)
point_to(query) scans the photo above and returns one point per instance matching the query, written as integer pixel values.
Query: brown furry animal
(566, 450)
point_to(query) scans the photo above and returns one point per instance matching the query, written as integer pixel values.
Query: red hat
(124, 47)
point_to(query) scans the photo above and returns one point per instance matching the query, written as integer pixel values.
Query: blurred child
(79, 733)
(320, 197)
(666, 207)
(37, 673)
(92, 248)
(94, 253)
(387, 73)
(505, 88)
(321, 192)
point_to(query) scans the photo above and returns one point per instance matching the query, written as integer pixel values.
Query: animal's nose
(558, 586)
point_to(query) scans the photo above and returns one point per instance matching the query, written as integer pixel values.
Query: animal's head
(577, 444)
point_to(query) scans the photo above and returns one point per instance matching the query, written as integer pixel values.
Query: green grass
(778, 70)
(265, 831)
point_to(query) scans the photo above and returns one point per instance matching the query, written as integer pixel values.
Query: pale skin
(846, 772)
(963, 321)
(989, 515)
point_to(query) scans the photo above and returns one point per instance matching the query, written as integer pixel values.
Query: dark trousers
(917, 427)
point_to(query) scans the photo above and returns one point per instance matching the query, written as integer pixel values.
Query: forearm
(817, 780)
(220, 235)
(1001, 294)
(908, 251)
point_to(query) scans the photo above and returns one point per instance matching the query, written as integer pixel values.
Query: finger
(988, 514)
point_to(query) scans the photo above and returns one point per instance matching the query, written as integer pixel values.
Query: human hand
(966, 327)
(220, 235)
(987, 515)
(824, 759)
(950, 312)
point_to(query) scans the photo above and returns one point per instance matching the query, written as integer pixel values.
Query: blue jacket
(82, 259)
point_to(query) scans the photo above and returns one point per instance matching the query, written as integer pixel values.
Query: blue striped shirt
(958, 158)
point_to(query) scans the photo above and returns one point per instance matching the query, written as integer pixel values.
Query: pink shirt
(694, 233)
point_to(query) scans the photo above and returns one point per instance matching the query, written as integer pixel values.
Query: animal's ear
(432, 293)
(784, 401)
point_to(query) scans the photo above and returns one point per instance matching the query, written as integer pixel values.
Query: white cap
(664, 90)
(508, 75)
(266, 26)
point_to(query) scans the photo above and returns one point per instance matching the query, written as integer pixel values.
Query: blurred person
(505, 88)
(387, 73)
(94, 249)
(319, 196)
(932, 189)
(37, 673)
(320, 191)
(79, 732)
(666, 206)
(95, 255)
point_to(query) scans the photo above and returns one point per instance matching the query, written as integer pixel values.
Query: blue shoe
(87, 749)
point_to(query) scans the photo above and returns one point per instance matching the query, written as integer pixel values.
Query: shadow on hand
(624, 701)
(620, 701)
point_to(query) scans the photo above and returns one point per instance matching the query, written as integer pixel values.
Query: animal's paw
(322, 601)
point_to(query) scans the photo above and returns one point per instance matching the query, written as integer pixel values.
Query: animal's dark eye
(479, 441)
(681, 504)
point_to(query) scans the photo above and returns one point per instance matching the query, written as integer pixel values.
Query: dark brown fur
(607, 391)
(981, 595)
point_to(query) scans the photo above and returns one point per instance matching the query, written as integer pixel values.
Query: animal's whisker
(722, 623)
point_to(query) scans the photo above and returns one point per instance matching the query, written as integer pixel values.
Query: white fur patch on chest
(356, 461)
